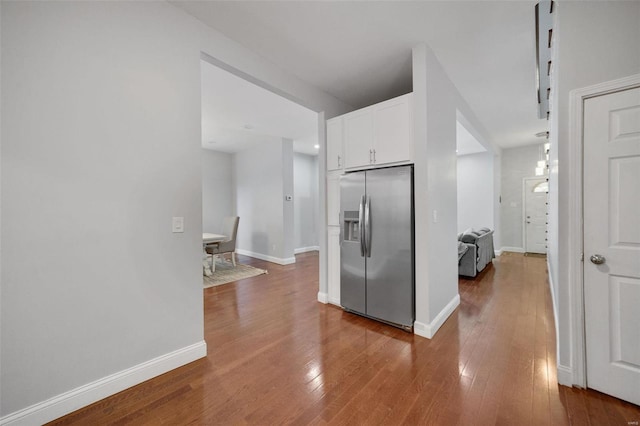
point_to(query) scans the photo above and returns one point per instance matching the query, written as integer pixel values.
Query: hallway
(276, 356)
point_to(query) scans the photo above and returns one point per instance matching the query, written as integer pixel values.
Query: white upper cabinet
(380, 134)
(393, 130)
(335, 155)
(358, 137)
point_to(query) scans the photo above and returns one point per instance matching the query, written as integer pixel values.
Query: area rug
(225, 273)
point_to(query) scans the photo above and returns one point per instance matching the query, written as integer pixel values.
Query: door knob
(598, 259)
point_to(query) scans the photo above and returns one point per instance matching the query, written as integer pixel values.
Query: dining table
(210, 239)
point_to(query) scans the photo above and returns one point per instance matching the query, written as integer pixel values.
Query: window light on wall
(541, 187)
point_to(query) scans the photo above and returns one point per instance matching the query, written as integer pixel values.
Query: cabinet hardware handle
(374, 155)
(339, 161)
(370, 156)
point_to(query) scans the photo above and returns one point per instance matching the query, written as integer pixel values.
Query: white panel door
(393, 131)
(334, 144)
(535, 215)
(358, 138)
(612, 231)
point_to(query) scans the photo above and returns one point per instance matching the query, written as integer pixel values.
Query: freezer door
(389, 235)
(352, 260)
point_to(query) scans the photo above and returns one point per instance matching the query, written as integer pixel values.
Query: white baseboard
(429, 330)
(323, 297)
(512, 249)
(554, 306)
(335, 301)
(82, 396)
(278, 260)
(498, 252)
(306, 249)
(565, 375)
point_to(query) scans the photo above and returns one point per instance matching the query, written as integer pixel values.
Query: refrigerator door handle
(360, 225)
(367, 226)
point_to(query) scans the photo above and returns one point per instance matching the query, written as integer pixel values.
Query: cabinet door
(393, 131)
(358, 138)
(333, 199)
(333, 264)
(334, 144)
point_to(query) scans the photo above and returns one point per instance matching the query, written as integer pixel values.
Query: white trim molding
(512, 249)
(498, 252)
(578, 369)
(323, 297)
(429, 330)
(278, 260)
(554, 305)
(334, 301)
(82, 396)
(565, 375)
(306, 249)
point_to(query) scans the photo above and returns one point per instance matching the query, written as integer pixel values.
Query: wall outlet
(177, 224)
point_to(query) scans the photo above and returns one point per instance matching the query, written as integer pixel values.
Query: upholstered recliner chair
(479, 251)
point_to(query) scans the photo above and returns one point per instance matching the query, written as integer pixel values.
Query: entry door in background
(535, 215)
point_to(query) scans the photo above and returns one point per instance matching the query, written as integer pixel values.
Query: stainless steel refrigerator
(376, 239)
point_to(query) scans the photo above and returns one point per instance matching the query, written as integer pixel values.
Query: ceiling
(360, 51)
(237, 114)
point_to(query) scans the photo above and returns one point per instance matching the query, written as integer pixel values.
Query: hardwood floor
(276, 356)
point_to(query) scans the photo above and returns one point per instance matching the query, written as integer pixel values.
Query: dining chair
(230, 229)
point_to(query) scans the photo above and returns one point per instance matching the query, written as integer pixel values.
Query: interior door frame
(576, 211)
(524, 206)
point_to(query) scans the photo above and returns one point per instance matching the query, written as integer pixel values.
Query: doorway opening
(475, 201)
(260, 164)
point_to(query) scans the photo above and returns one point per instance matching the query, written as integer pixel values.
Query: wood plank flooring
(277, 356)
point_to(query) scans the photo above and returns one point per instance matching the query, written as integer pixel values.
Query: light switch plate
(177, 225)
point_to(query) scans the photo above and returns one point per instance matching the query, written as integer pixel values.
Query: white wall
(497, 203)
(219, 192)
(1, 133)
(475, 191)
(260, 191)
(305, 200)
(437, 105)
(480, 134)
(100, 149)
(97, 158)
(595, 42)
(218, 189)
(517, 163)
(288, 230)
